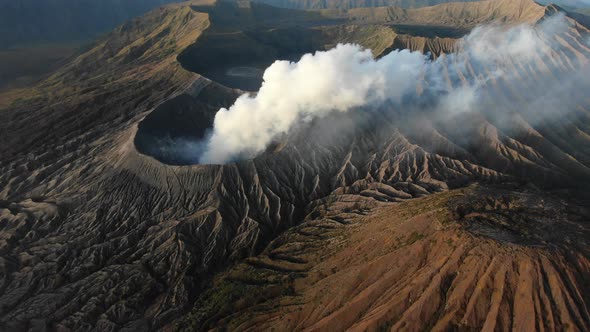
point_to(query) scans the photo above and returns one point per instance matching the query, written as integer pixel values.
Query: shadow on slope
(173, 131)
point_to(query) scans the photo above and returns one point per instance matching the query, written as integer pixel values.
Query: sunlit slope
(477, 258)
(95, 234)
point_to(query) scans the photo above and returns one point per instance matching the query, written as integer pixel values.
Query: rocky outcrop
(95, 234)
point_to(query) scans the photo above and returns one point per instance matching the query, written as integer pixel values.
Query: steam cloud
(337, 80)
(348, 77)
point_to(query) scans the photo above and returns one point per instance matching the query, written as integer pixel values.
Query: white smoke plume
(348, 77)
(336, 80)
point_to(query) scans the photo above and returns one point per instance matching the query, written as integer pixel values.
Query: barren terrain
(402, 223)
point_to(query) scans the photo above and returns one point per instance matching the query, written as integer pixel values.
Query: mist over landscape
(294, 165)
(347, 77)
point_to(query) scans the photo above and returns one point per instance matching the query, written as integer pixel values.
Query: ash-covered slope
(95, 234)
(479, 258)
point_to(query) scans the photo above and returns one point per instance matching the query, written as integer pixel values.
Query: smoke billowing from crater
(348, 77)
(336, 80)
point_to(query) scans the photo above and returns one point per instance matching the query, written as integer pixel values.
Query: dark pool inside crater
(237, 59)
(174, 133)
(248, 78)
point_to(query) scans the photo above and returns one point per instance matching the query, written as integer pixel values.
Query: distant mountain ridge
(95, 234)
(29, 21)
(348, 4)
(32, 21)
(570, 4)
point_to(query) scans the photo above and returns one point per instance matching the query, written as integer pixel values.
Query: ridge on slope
(478, 258)
(97, 235)
(140, 50)
(56, 142)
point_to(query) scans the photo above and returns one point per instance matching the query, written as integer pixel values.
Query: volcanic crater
(386, 227)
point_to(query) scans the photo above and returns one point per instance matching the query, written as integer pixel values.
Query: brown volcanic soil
(95, 234)
(480, 258)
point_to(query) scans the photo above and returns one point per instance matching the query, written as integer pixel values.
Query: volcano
(390, 219)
